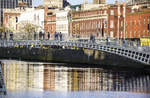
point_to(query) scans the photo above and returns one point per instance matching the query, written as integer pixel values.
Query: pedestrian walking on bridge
(34, 35)
(60, 35)
(48, 35)
(40, 35)
(11, 36)
(5, 36)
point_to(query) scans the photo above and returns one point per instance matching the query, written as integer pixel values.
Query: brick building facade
(114, 21)
(49, 21)
(138, 24)
(85, 23)
(104, 22)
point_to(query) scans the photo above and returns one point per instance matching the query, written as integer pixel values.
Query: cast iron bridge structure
(137, 54)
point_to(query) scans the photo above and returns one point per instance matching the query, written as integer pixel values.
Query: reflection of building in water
(49, 78)
(35, 78)
(92, 80)
(55, 78)
(61, 79)
(15, 76)
(86, 79)
(21, 75)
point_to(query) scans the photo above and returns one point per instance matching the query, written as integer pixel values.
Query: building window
(105, 12)
(130, 34)
(121, 23)
(121, 35)
(134, 34)
(49, 14)
(139, 34)
(126, 23)
(131, 23)
(105, 24)
(16, 19)
(111, 24)
(148, 27)
(99, 24)
(139, 22)
(132, 10)
(34, 17)
(111, 12)
(112, 34)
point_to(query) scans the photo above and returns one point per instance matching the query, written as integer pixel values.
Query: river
(54, 80)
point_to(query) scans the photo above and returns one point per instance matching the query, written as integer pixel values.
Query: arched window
(16, 19)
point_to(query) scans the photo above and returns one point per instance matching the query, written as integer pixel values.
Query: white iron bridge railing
(135, 53)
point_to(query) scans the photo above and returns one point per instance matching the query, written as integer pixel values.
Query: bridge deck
(135, 53)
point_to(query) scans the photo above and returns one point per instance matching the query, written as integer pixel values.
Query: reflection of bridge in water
(54, 77)
(133, 53)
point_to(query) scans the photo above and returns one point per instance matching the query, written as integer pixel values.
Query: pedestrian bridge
(137, 54)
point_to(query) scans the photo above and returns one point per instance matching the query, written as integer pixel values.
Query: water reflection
(21, 75)
(53, 77)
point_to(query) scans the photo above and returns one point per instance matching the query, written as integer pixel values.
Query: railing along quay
(135, 53)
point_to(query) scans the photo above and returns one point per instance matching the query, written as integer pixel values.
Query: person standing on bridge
(60, 35)
(43, 35)
(11, 36)
(55, 35)
(107, 41)
(5, 36)
(48, 35)
(34, 35)
(94, 39)
(39, 35)
(91, 38)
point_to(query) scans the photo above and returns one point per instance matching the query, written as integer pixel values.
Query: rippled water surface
(45, 80)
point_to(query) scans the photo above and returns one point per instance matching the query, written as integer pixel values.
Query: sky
(73, 2)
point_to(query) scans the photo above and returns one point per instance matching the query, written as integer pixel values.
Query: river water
(49, 80)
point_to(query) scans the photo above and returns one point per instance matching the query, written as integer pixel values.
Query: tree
(4, 29)
(27, 30)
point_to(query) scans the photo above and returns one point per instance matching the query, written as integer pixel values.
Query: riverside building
(114, 21)
(11, 4)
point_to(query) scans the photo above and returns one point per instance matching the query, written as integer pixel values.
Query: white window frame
(111, 24)
(111, 12)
